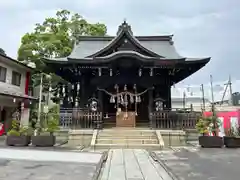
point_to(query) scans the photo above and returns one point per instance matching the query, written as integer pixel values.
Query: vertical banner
(234, 123)
(221, 126)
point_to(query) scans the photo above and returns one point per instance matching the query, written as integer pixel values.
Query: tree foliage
(55, 37)
(2, 51)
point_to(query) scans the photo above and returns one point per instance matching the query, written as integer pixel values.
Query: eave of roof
(133, 54)
(17, 62)
(18, 96)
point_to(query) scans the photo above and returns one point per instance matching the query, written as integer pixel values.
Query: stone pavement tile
(161, 170)
(117, 170)
(106, 168)
(132, 164)
(147, 168)
(42, 155)
(219, 164)
(132, 168)
(32, 170)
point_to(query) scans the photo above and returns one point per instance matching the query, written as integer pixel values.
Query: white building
(194, 95)
(14, 90)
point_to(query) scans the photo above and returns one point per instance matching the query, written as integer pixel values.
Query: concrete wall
(80, 138)
(9, 103)
(8, 82)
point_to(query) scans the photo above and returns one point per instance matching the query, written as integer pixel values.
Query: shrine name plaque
(126, 119)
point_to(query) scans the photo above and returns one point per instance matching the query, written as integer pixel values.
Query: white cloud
(201, 28)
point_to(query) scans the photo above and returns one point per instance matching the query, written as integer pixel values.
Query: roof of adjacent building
(6, 90)
(89, 48)
(16, 62)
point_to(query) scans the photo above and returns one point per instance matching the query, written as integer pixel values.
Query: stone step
(126, 141)
(126, 133)
(129, 146)
(100, 136)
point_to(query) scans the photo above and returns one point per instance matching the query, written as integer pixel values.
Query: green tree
(55, 37)
(2, 51)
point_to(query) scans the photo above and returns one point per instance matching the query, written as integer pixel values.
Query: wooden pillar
(150, 108)
(82, 92)
(168, 97)
(99, 123)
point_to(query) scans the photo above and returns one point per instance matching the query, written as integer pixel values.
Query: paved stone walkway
(24, 164)
(128, 164)
(198, 163)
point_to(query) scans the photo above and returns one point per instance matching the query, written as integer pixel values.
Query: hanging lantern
(76, 103)
(110, 72)
(116, 87)
(151, 72)
(99, 72)
(131, 99)
(14, 100)
(118, 100)
(78, 86)
(112, 99)
(139, 99)
(134, 86)
(122, 101)
(125, 87)
(125, 100)
(140, 72)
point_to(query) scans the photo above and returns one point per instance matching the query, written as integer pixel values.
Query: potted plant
(18, 136)
(45, 134)
(232, 137)
(205, 126)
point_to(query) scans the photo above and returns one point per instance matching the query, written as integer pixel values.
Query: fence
(174, 119)
(80, 118)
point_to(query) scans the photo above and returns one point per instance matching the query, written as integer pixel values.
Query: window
(3, 73)
(16, 78)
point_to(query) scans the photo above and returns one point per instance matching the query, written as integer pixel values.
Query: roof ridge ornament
(124, 27)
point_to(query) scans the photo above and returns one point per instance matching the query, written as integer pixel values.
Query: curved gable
(124, 41)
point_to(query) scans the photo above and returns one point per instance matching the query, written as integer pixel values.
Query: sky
(201, 28)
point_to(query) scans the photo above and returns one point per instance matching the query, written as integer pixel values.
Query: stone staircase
(126, 138)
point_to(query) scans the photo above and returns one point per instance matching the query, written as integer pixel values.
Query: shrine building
(124, 78)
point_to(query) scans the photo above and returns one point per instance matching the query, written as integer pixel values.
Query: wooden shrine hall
(123, 79)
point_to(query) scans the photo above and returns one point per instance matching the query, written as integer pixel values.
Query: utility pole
(203, 97)
(230, 90)
(211, 83)
(229, 84)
